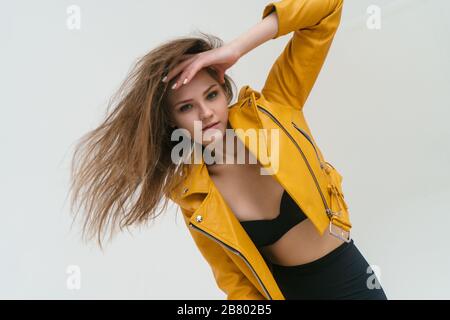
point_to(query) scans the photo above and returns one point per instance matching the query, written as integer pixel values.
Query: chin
(213, 134)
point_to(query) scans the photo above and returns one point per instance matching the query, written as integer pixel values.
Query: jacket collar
(197, 180)
(245, 93)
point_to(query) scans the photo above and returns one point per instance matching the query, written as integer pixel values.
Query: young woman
(274, 226)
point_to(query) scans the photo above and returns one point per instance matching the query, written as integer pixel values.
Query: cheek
(224, 116)
(223, 109)
(182, 121)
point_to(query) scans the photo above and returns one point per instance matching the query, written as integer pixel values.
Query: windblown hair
(122, 169)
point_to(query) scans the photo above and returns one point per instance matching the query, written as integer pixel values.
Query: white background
(378, 111)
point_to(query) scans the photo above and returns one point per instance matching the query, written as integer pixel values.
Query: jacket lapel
(199, 195)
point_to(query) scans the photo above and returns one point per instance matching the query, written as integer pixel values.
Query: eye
(182, 107)
(215, 92)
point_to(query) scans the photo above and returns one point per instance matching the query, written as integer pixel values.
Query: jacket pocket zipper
(310, 140)
(327, 209)
(236, 252)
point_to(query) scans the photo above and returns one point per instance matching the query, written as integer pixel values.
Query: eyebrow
(215, 84)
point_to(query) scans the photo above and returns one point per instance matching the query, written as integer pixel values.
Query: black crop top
(264, 232)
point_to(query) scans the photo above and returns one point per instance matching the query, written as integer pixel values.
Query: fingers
(185, 60)
(222, 77)
(187, 74)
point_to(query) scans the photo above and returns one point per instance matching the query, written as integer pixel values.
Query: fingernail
(185, 81)
(174, 85)
(164, 79)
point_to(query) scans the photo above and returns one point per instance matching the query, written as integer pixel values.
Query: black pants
(341, 274)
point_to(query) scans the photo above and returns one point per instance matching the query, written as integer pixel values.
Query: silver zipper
(236, 252)
(310, 140)
(327, 209)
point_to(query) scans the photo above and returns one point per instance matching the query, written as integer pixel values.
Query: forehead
(193, 89)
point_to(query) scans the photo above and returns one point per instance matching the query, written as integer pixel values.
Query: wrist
(237, 47)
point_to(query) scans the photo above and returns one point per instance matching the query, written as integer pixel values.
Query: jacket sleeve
(314, 23)
(229, 278)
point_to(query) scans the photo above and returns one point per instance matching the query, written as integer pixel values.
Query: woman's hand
(220, 59)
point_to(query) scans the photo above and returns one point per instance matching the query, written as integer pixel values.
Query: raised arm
(314, 24)
(292, 76)
(295, 71)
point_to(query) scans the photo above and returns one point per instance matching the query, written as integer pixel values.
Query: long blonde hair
(122, 169)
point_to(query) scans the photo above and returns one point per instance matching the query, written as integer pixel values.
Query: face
(198, 104)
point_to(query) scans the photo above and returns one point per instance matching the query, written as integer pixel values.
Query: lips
(211, 125)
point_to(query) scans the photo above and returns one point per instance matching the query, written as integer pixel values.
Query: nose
(205, 111)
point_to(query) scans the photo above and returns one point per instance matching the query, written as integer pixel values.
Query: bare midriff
(252, 196)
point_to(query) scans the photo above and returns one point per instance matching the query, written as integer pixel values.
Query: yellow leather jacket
(238, 267)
